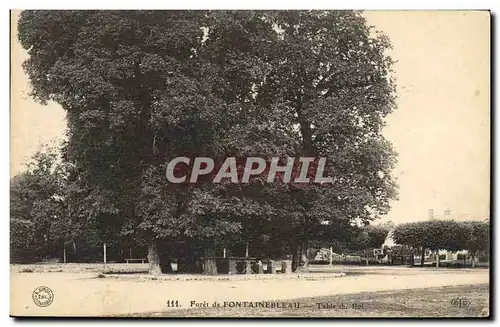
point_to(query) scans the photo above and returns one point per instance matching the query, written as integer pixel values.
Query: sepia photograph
(250, 163)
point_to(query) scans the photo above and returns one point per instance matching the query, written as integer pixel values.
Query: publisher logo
(460, 302)
(43, 296)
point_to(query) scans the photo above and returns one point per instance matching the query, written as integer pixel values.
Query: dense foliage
(41, 223)
(472, 236)
(143, 87)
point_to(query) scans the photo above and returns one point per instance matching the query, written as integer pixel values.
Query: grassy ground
(79, 267)
(429, 302)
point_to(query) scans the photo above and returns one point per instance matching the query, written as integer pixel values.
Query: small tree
(479, 239)
(37, 207)
(369, 238)
(377, 235)
(412, 235)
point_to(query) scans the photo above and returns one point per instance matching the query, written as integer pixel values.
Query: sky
(440, 129)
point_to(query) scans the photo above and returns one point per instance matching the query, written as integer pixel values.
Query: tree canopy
(472, 236)
(37, 207)
(143, 87)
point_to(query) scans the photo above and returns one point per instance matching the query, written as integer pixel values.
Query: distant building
(448, 215)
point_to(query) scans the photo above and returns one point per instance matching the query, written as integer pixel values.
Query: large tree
(329, 74)
(143, 87)
(137, 93)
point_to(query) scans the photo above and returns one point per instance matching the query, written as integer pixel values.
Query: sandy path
(82, 294)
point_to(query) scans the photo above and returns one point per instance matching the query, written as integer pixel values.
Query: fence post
(104, 247)
(437, 258)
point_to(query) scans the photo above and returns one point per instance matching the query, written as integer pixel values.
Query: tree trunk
(473, 261)
(64, 253)
(153, 257)
(295, 257)
(304, 261)
(209, 263)
(422, 259)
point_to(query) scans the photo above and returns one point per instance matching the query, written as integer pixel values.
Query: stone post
(248, 267)
(232, 267)
(287, 266)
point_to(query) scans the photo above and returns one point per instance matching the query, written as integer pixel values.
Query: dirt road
(83, 294)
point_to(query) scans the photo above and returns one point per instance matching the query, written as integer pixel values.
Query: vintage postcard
(216, 163)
